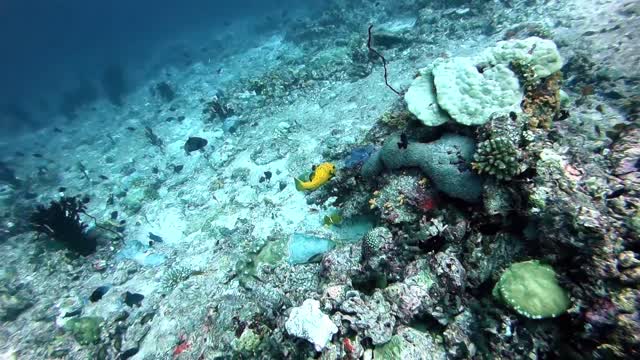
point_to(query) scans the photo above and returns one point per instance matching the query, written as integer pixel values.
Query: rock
(411, 297)
(12, 305)
(410, 344)
(305, 248)
(67, 307)
(341, 264)
(231, 124)
(86, 330)
(370, 316)
(309, 323)
(457, 337)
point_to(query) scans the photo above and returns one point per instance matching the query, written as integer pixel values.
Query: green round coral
(531, 289)
(498, 157)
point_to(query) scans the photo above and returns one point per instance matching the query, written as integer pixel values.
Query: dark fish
(19, 153)
(36, 155)
(73, 313)
(131, 128)
(403, 141)
(62, 189)
(194, 143)
(616, 193)
(155, 237)
(128, 353)
(132, 299)
(57, 130)
(103, 177)
(98, 293)
(513, 116)
(561, 115)
(85, 199)
(114, 215)
(266, 176)
(219, 71)
(177, 168)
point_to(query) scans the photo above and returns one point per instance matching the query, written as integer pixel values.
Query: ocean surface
(337, 179)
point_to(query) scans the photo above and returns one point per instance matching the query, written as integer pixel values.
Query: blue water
(52, 48)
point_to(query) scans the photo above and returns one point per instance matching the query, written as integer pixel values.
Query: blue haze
(51, 46)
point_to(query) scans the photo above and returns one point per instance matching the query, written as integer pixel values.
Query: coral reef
(517, 139)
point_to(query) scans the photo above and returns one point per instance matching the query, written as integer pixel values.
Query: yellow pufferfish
(320, 175)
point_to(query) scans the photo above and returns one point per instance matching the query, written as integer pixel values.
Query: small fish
(155, 237)
(73, 313)
(98, 293)
(194, 143)
(128, 353)
(19, 153)
(131, 128)
(321, 174)
(114, 215)
(513, 116)
(616, 193)
(333, 219)
(55, 129)
(37, 155)
(132, 299)
(403, 141)
(562, 115)
(178, 168)
(219, 71)
(62, 189)
(103, 177)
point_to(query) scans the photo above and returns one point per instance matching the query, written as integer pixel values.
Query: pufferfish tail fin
(299, 184)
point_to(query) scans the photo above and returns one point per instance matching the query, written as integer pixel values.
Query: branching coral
(497, 157)
(61, 222)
